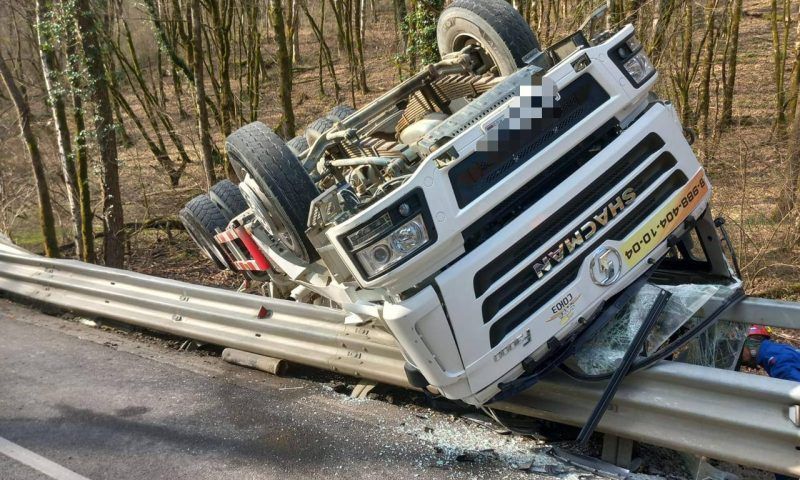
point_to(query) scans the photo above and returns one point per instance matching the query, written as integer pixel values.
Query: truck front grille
(618, 230)
(567, 214)
(542, 184)
(481, 170)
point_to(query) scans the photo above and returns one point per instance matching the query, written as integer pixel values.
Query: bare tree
(113, 223)
(294, 29)
(24, 118)
(200, 95)
(789, 194)
(324, 50)
(794, 83)
(50, 71)
(779, 64)
(730, 63)
(711, 34)
(284, 63)
(80, 150)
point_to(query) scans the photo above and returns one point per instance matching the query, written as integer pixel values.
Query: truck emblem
(588, 230)
(606, 266)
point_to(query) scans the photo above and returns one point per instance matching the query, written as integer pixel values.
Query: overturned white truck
(494, 212)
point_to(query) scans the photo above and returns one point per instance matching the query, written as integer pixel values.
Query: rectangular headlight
(391, 236)
(391, 249)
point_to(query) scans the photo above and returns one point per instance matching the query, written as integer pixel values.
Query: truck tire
(228, 198)
(494, 24)
(298, 145)
(286, 190)
(317, 128)
(340, 112)
(202, 217)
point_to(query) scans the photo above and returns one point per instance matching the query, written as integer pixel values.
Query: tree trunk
(295, 21)
(221, 16)
(362, 21)
(163, 40)
(788, 198)
(703, 101)
(778, 73)
(730, 65)
(686, 62)
(45, 207)
(81, 154)
(338, 12)
(56, 101)
(663, 18)
(794, 86)
(254, 64)
(200, 96)
(287, 122)
(362, 69)
(114, 238)
(400, 13)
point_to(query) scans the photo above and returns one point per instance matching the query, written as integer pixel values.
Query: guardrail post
(617, 450)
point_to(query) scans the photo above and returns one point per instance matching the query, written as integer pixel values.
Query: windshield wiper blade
(625, 365)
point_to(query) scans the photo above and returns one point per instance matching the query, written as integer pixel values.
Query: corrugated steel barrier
(720, 414)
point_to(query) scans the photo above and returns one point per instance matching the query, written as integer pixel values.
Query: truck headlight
(630, 57)
(391, 249)
(639, 67)
(391, 236)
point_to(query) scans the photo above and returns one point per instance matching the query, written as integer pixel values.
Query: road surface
(80, 402)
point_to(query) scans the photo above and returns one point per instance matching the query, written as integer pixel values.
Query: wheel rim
(207, 246)
(277, 228)
(272, 221)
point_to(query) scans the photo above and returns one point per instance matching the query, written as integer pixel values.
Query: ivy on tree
(419, 26)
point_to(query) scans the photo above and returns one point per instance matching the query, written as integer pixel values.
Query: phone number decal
(639, 244)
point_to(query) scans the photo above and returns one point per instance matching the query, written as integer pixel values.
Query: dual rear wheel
(208, 214)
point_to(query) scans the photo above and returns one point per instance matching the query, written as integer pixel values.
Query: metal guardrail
(721, 414)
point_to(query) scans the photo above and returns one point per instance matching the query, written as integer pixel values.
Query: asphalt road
(105, 405)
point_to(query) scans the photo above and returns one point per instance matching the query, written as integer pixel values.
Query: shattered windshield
(688, 306)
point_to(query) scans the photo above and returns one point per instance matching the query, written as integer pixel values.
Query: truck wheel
(228, 198)
(202, 217)
(340, 112)
(286, 190)
(298, 145)
(317, 128)
(494, 24)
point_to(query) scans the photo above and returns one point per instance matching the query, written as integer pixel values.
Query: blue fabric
(779, 361)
